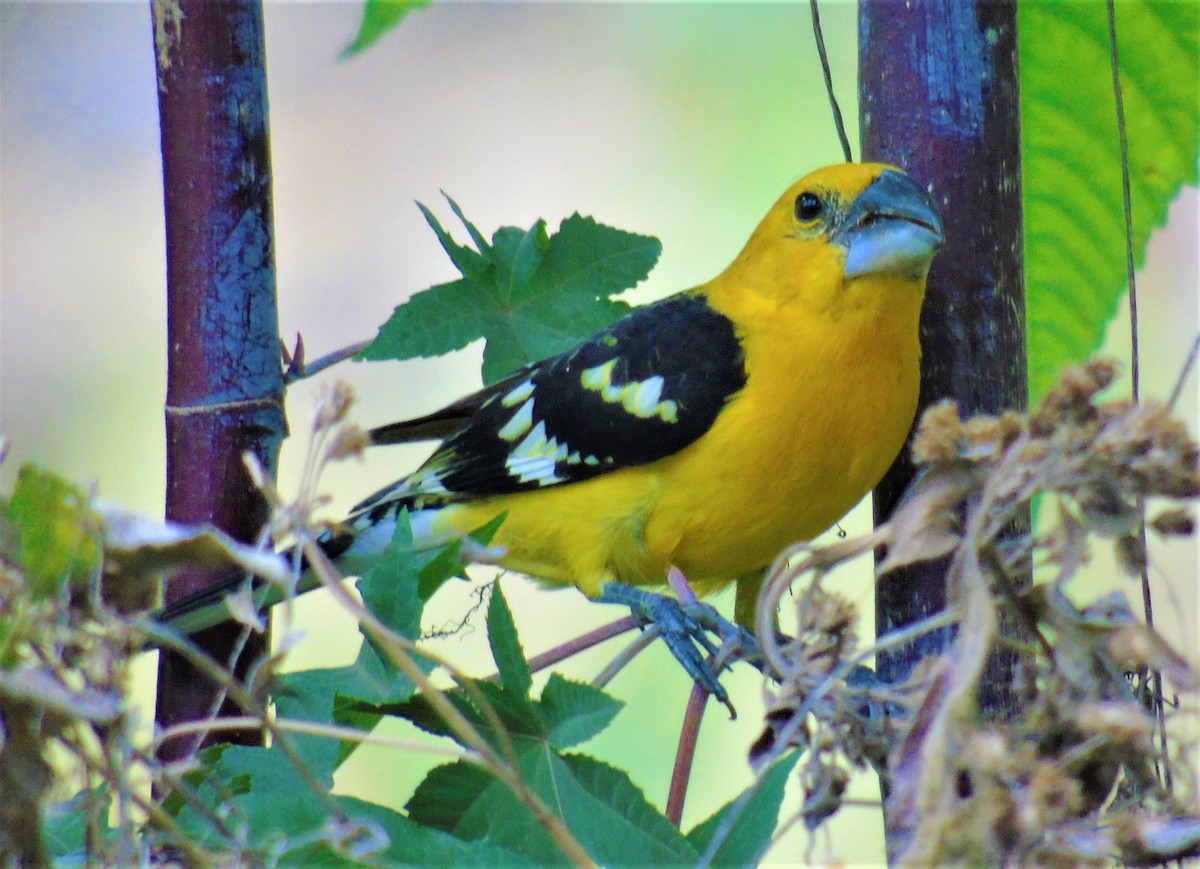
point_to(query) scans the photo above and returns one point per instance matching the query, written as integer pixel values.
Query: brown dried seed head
(333, 402)
(987, 751)
(1120, 721)
(1103, 371)
(1131, 554)
(938, 435)
(1176, 521)
(350, 440)
(1053, 796)
(1071, 398)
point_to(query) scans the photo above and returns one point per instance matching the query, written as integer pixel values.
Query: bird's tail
(206, 607)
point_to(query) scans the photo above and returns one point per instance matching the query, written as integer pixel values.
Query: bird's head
(836, 226)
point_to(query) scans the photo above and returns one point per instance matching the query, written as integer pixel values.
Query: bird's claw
(685, 628)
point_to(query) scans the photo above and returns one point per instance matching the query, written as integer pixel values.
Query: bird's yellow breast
(830, 395)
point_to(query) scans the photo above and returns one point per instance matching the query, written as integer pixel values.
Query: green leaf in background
(50, 529)
(529, 294)
(750, 834)
(1074, 217)
(380, 16)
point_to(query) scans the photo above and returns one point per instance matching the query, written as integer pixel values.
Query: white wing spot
(535, 459)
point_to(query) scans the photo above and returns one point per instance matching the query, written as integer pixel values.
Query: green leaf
(750, 833)
(408, 844)
(350, 695)
(506, 646)
(446, 563)
(50, 527)
(601, 807)
(613, 820)
(389, 589)
(64, 825)
(529, 294)
(472, 263)
(258, 792)
(1074, 217)
(446, 793)
(573, 712)
(311, 695)
(380, 16)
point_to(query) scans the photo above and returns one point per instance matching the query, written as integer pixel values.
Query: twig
(582, 643)
(618, 663)
(686, 753)
(299, 370)
(312, 728)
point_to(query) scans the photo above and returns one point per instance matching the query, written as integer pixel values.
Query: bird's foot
(686, 625)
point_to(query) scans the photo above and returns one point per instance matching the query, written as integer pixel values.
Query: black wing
(640, 390)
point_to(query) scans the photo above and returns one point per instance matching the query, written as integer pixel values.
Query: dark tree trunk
(938, 91)
(225, 383)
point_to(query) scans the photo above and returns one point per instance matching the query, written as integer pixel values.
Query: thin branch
(312, 728)
(686, 753)
(582, 643)
(299, 369)
(648, 636)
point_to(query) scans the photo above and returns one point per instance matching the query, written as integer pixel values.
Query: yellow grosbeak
(707, 431)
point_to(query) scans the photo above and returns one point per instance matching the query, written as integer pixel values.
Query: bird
(703, 433)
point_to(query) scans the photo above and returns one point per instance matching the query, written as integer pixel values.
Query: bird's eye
(809, 206)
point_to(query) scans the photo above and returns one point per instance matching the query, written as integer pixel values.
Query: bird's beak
(892, 228)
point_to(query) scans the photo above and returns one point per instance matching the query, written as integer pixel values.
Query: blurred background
(683, 121)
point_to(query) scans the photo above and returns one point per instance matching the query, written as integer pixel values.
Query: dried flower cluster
(1092, 768)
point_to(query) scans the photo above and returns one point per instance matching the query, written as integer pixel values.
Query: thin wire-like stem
(1188, 365)
(1126, 198)
(838, 123)
(1135, 361)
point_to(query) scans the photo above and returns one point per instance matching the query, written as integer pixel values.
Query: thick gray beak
(892, 228)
